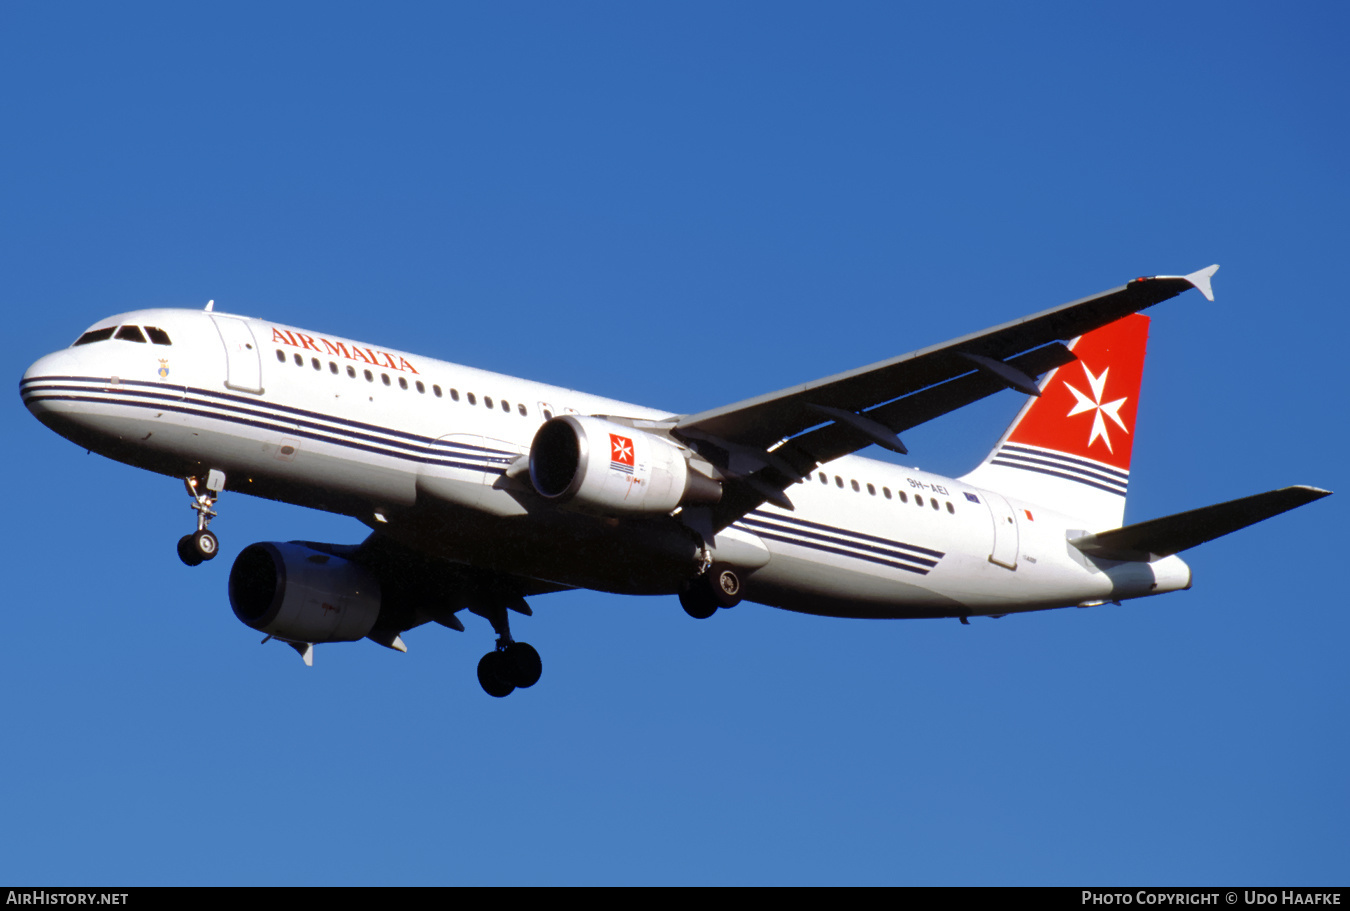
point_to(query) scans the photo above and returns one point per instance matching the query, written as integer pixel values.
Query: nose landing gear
(202, 545)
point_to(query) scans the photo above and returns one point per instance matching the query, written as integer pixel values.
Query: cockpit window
(131, 334)
(95, 335)
(158, 336)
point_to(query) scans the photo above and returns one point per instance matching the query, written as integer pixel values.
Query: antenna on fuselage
(210, 305)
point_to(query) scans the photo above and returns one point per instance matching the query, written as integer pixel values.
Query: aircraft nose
(40, 374)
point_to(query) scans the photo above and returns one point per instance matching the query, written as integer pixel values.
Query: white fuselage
(418, 449)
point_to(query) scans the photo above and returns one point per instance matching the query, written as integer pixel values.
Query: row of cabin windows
(403, 384)
(126, 334)
(886, 492)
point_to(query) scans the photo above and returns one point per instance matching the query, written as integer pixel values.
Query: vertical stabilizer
(1069, 450)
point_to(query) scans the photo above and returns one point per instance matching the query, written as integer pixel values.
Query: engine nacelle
(609, 468)
(295, 593)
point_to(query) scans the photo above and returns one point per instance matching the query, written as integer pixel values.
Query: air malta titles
(366, 355)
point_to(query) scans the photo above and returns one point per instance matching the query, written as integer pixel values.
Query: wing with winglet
(764, 444)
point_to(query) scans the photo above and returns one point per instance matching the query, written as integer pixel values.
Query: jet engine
(611, 468)
(295, 593)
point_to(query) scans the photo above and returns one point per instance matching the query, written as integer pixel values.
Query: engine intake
(296, 593)
(610, 468)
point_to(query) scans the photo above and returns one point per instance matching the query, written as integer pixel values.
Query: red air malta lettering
(375, 358)
(1087, 408)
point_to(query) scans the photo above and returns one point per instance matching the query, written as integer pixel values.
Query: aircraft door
(1004, 551)
(243, 367)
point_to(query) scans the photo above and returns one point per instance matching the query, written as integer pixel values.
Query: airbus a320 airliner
(482, 490)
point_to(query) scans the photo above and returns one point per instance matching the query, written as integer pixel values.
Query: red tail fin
(1070, 449)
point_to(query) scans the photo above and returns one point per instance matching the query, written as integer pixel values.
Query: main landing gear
(202, 545)
(511, 664)
(703, 595)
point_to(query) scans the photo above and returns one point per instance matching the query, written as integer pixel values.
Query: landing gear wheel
(205, 544)
(523, 664)
(201, 545)
(187, 551)
(718, 587)
(491, 676)
(726, 586)
(698, 602)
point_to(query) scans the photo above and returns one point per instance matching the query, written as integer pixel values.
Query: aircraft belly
(646, 557)
(812, 587)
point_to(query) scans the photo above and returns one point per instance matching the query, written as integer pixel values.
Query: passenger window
(314, 362)
(472, 400)
(936, 504)
(131, 334)
(420, 388)
(521, 409)
(856, 488)
(823, 478)
(950, 508)
(904, 497)
(506, 406)
(370, 377)
(402, 382)
(158, 336)
(872, 490)
(385, 378)
(487, 401)
(332, 367)
(299, 361)
(437, 390)
(838, 481)
(886, 492)
(454, 395)
(351, 371)
(281, 356)
(548, 415)
(918, 500)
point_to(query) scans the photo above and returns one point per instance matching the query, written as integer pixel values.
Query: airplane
(482, 490)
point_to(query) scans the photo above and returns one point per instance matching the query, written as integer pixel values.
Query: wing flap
(1169, 535)
(824, 444)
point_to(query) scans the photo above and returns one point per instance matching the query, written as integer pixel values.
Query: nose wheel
(197, 547)
(202, 545)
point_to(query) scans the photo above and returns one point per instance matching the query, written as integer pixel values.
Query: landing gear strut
(202, 545)
(703, 595)
(511, 664)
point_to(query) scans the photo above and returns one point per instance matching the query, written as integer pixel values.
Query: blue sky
(682, 206)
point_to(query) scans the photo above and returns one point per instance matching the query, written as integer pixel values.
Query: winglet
(306, 650)
(1201, 280)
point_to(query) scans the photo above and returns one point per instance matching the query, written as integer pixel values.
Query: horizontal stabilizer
(1169, 535)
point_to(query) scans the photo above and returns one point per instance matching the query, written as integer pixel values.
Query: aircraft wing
(419, 588)
(764, 444)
